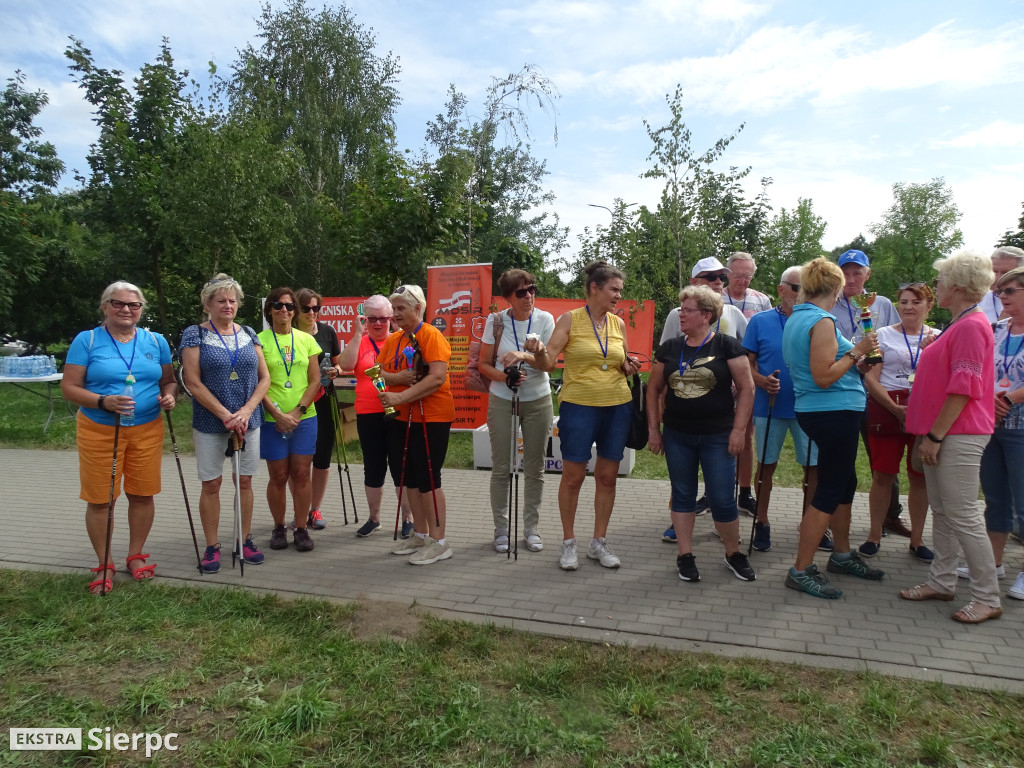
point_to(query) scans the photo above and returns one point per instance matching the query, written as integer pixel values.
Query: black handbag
(637, 439)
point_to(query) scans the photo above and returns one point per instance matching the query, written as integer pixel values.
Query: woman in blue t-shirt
(227, 375)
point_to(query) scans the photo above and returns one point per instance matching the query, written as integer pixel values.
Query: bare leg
(683, 523)
(917, 500)
(812, 528)
(729, 533)
(998, 545)
(96, 527)
(209, 509)
(141, 510)
(746, 457)
(298, 475)
(573, 475)
(764, 490)
(245, 483)
(605, 474)
(878, 503)
(841, 528)
(277, 485)
(319, 487)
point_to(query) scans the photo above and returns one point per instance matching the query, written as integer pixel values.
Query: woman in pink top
(360, 353)
(952, 410)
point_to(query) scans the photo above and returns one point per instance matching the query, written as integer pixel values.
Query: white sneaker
(964, 573)
(1017, 590)
(411, 545)
(600, 551)
(568, 561)
(533, 542)
(431, 553)
(501, 542)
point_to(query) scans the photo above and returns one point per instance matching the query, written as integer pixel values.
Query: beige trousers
(535, 419)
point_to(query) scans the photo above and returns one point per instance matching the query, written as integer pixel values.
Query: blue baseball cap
(854, 256)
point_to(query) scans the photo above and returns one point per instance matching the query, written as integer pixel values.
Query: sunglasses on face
(712, 277)
(307, 310)
(522, 293)
(1008, 291)
(375, 320)
(794, 286)
(283, 305)
(134, 306)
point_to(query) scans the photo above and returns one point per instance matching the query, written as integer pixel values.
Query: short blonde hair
(820, 277)
(969, 271)
(411, 295)
(219, 283)
(121, 285)
(705, 299)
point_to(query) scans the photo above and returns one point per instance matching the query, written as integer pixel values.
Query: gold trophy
(864, 301)
(378, 383)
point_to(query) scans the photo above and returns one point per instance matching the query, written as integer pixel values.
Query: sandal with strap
(143, 572)
(924, 592)
(975, 613)
(101, 586)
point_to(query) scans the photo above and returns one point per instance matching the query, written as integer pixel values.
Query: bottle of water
(285, 435)
(128, 419)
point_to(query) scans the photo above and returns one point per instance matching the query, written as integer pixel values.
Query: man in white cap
(712, 273)
(1004, 259)
(856, 269)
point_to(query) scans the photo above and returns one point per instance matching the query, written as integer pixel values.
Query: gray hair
(1014, 275)
(219, 283)
(789, 273)
(1010, 252)
(740, 256)
(377, 302)
(121, 285)
(411, 295)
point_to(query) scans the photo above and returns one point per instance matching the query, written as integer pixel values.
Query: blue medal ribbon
(129, 379)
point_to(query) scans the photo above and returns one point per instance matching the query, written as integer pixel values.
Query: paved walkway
(641, 603)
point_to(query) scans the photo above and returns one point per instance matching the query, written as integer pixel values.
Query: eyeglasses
(376, 320)
(1008, 291)
(745, 278)
(307, 310)
(794, 286)
(712, 277)
(283, 305)
(522, 293)
(918, 284)
(936, 282)
(134, 306)
(688, 310)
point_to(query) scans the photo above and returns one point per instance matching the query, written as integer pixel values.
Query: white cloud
(997, 134)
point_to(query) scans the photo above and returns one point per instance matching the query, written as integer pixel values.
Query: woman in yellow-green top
(288, 441)
(593, 405)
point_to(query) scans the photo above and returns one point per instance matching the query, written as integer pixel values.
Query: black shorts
(417, 464)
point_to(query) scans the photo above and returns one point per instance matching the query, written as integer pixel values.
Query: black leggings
(837, 435)
(373, 437)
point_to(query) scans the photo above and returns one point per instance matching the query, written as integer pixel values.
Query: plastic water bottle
(128, 419)
(285, 435)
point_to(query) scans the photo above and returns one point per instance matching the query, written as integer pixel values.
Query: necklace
(604, 349)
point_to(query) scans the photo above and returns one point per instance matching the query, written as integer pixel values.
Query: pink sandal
(105, 585)
(143, 572)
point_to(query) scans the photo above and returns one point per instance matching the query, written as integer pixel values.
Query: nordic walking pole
(339, 437)
(184, 493)
(335, 418)
(760, 467)
(512, 381)
(235, 446)
(401, 475)
(430, 464)
(110, 507)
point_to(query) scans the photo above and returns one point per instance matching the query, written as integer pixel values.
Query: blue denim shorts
(580, 426)
(776, 438)
(275, 445)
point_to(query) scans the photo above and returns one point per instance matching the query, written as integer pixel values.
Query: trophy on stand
(378, 383)
(864, 301)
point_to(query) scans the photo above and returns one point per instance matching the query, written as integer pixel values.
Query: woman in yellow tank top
(594, 405)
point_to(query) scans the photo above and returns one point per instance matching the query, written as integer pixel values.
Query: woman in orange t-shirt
(414, 366)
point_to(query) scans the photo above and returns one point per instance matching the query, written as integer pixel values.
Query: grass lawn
(254, 680)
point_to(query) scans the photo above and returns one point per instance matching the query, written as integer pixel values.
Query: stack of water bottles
(29, 366)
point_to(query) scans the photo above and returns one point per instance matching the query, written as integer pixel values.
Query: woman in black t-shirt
(704, 424)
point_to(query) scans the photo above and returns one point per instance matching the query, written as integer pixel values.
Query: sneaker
(963, 573)
(762, 537)
(568, 561)
(211, 559)
(669, 536)
(316, 520)
(922, 553)
(533, 542)
(303, 541)
(1017, 590)
(812, 582)
(869, 549)
(501, 542)
(737, 563)
(600, 551)
(279, 537)
(826, 545)
(407, 528)
(431, 553)
(250, 554)
(367, 528)
(702, 506)
(748, 504)
(413, 545)
(687, 567)
(854, 566)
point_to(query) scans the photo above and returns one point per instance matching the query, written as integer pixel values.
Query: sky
(838, 101)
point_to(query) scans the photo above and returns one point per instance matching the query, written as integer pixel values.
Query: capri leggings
(837, 435)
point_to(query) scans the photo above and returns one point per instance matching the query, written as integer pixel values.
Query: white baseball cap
(710, 264)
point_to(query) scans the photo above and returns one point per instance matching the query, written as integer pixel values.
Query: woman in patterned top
(228, 377)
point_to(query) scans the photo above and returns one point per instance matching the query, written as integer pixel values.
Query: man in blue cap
(856, 269)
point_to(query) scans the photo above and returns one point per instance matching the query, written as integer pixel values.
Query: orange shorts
(139, 450)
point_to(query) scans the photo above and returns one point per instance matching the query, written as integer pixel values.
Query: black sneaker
(303, 541)
(702, 506)
(826, 545)
(367, 528)
(687, 568)
(737, 563)
(279, 537)
(762, 537)
(854, 566)
(748, 504)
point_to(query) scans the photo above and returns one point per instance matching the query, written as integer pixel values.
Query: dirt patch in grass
(378, 619)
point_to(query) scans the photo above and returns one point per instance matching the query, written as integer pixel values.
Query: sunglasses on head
(713, 276)
(918, 284)
(522, 293)
(134, 306)
(307, 310)
(283, 305)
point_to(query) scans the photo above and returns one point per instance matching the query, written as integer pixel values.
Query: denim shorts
(1002, 480)
(684, 453)
(777, 436)
(580, 426)
(275, 445)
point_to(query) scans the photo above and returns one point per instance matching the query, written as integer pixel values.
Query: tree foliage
(27, 166)
(1012, 237)
(790, 239)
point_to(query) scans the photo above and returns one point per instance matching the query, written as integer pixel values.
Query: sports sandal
(925, 592)
(102, 586)
(143, 572)
(975, 613)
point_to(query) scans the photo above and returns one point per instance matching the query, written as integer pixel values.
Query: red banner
(341, 314)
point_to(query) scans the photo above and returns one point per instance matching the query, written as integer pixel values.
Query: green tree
(1014, 238)
(791, 238)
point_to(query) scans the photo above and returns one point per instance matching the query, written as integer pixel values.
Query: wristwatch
(302, 409)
